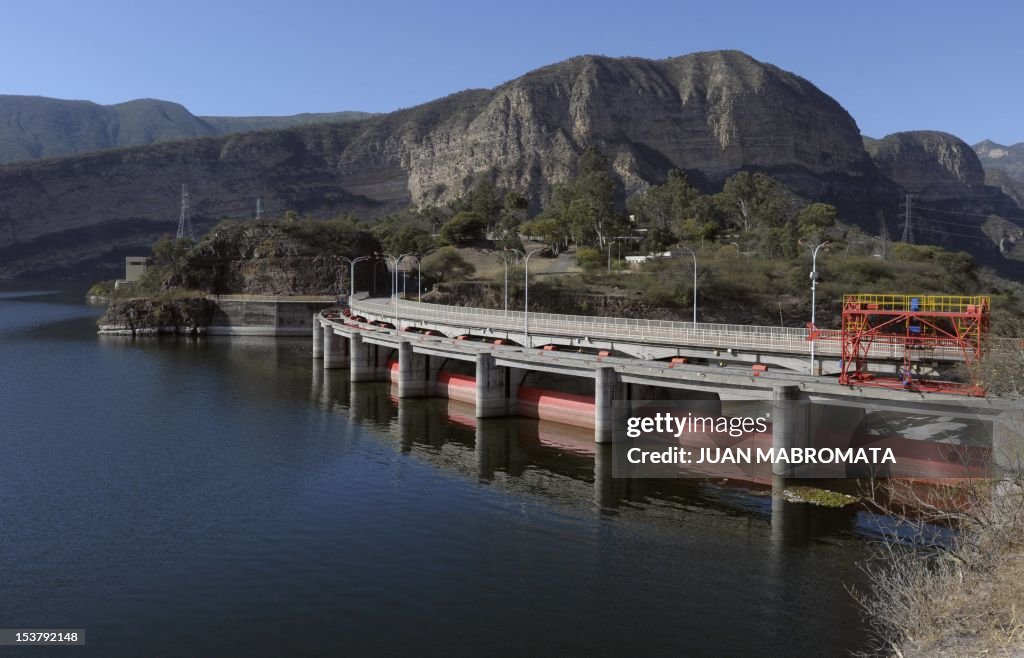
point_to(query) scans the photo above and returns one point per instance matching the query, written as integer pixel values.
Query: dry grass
(949, 578)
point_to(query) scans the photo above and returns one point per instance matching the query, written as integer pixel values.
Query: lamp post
(814, 287)
(419, 275)
(526, 294)
(505, 257)
(341, 274)
(694, 281)
(352, 277)
(392, 260)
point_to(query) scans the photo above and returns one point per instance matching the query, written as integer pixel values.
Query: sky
(894, 65)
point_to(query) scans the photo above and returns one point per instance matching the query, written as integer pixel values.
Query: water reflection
(563, 465)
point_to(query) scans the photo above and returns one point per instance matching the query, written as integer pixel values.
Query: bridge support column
(318, 337)
(412, 372)
(335, 349)
(362, 360)
(606, 391)
(492, 388)
(789, 425)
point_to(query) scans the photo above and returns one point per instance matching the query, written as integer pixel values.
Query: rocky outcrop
(711, 114)
(929, 164)
(148, 316)
(292, 258)
(1007, 159)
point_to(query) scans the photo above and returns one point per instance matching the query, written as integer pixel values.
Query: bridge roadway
(785, 347)
(413, 360)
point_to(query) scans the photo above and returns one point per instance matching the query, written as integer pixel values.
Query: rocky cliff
(1008, 159)
(955, 203)
(929, 164)
(708, 113)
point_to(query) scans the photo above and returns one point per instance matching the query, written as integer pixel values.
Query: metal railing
(780, 340)
(787, 340)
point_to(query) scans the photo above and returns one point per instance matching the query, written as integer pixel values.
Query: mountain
(35, 127)
(711, 114)
(927, 163)
(1009, 159)
(955, 202)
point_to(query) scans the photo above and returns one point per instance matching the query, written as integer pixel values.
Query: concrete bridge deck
(785, 347)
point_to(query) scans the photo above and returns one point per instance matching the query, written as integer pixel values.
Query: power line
(945, 221)
(956, 235)
(970, 214)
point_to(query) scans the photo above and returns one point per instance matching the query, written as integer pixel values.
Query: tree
(754, 201)
(661, 206)
(408, 239)
(483, 202)
(291, 216)
(171, 254)
(446, 264)
(546, 227)
(595, 187)
(465, 225)
(513, 214)
(814, 219)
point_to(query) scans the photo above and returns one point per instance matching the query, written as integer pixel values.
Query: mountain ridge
(33, 127)
(709, 114)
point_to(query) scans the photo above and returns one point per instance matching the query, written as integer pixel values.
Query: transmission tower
(908, 226)
(259, 209)
(185, 220)
(883, 234)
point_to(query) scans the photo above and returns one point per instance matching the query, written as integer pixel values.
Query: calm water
(226, 497)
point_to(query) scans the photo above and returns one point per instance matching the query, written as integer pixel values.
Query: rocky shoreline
(190, 316)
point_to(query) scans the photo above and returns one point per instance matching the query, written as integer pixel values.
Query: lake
(179, 497)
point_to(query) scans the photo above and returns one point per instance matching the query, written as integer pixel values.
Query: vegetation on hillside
(752, 241)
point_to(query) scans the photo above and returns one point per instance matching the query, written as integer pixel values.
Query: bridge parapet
(780, 340)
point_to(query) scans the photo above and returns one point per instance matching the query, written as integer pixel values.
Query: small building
(135, 267)
(635, 262)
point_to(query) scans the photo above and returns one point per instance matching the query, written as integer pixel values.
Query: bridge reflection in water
(562, 465)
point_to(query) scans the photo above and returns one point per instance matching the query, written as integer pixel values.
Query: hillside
(709, 114)
(1009, 159)
(34, 127)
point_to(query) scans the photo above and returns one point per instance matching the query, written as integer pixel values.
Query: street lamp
(694, 281)
(505, 257)
(814, 287)
(526, 294)
(419, 275)
(341, 274)
(352, 277)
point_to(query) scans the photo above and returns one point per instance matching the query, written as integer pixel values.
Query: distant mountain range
(1004, 167)
(710, 114)
(1009, 159)
(34, 127)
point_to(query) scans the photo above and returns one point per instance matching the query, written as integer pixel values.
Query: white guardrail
(787, 340)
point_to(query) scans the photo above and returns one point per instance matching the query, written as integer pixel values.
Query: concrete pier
(606, 388)
(493, 394)
(318, 337)
(413, 379)
(789, 424)
(362, 362)
(335, 349)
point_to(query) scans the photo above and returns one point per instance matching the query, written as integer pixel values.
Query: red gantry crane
(913, 328)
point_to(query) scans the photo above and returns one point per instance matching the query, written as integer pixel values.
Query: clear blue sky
(895, 65)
